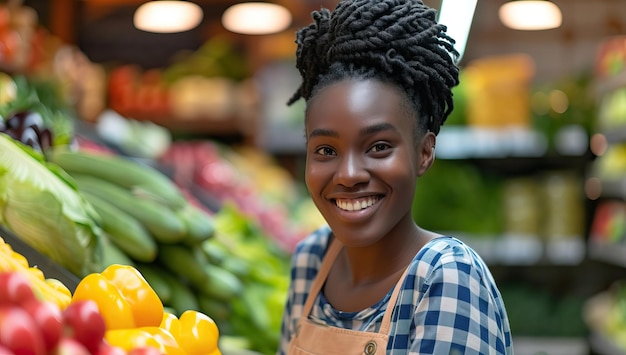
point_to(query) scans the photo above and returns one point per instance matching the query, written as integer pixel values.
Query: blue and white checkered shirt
(449, 302)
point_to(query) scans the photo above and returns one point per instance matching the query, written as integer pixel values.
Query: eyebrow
(363, 132)
(377, 128)
(320, 132)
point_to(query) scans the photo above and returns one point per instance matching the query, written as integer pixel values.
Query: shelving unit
(545, 264)
(606, 244)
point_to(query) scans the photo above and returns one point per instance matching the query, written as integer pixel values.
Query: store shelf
(614, 135)
(528, 250)
(614, 187)
(601, 345)
(611, 253)
(460, 142)
(229, 125)
(609, 84)
(550, 346)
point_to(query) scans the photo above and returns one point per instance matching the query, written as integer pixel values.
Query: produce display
(220, 264)
(251, 180)
(208, 84)
(115, 312)
(90, 209)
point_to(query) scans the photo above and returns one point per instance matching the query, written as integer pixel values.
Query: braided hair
(395, 41)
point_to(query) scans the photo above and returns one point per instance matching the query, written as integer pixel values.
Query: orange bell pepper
(145, 304)
(115, 309)
(196, 332)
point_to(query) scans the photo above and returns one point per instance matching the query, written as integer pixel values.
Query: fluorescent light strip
(457, 15)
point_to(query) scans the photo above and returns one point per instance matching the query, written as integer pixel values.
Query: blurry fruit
(83, 322)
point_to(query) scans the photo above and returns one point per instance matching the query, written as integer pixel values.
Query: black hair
(394, 41)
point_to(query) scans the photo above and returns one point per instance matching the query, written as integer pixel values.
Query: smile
(356, 204)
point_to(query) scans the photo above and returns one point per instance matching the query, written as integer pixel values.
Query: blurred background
(531, 164)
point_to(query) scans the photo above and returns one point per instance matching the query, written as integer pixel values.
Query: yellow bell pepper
(196, 332)
(124, 297)
(115, 309)
(145, 304)
(60, 294)
(156, 337)
(171, 323)
(53, 291)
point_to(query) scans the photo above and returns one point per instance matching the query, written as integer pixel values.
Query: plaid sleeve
(460, 310)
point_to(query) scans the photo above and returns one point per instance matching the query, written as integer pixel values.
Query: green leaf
(44, 210)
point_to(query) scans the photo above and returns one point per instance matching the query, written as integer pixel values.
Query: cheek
(313, 176)
(402, 169)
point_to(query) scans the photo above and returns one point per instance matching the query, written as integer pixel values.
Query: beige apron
(313, 338)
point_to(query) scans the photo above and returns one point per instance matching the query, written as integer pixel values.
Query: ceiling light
(256, 18)
(530, 15)
(165, 16)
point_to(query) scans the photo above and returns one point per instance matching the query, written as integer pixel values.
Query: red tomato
(84, 322)
(70, 346)
(19, 333)
(15, 288)
(144, 350)
(108, 349)
(49, 320)
(4, 350)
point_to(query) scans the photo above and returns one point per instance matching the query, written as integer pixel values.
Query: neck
(384, 259)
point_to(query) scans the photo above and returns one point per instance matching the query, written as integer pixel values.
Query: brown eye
(326, 151)
(379, 147)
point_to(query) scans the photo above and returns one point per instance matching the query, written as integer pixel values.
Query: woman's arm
(460, 312)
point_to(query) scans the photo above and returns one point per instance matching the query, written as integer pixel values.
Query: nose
(351, 170)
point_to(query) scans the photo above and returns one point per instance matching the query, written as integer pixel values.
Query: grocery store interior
(530, 170)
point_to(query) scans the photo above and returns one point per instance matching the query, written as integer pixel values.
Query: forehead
(359, 98)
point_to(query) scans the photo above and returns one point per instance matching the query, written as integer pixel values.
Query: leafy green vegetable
(46, 98)
(43, 207)
(456, 197)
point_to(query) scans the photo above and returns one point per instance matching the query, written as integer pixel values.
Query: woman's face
(362, 160)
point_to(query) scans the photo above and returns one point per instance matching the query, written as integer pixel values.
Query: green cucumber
(125, 231)
(154, 276)
(161, 222)
(221, 284)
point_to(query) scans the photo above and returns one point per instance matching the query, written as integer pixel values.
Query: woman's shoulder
(314, 245)
(445, 252)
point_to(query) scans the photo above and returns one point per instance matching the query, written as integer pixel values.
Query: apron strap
(384, 327)
(327, 262)
(318, 282)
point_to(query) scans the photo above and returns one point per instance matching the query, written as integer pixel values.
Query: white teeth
(356, 205)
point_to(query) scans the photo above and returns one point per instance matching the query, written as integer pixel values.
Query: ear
(426, 153)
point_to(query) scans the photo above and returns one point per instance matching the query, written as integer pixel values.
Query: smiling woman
(377, 77)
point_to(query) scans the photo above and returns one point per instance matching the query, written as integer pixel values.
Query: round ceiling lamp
(164, 16)
(256, 18)
(530, 15)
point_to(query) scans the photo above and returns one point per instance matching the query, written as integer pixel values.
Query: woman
(377, 78)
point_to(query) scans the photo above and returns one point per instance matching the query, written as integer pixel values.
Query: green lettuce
(42, 206)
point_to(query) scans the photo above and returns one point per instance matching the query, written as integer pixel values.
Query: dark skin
(363, 162)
